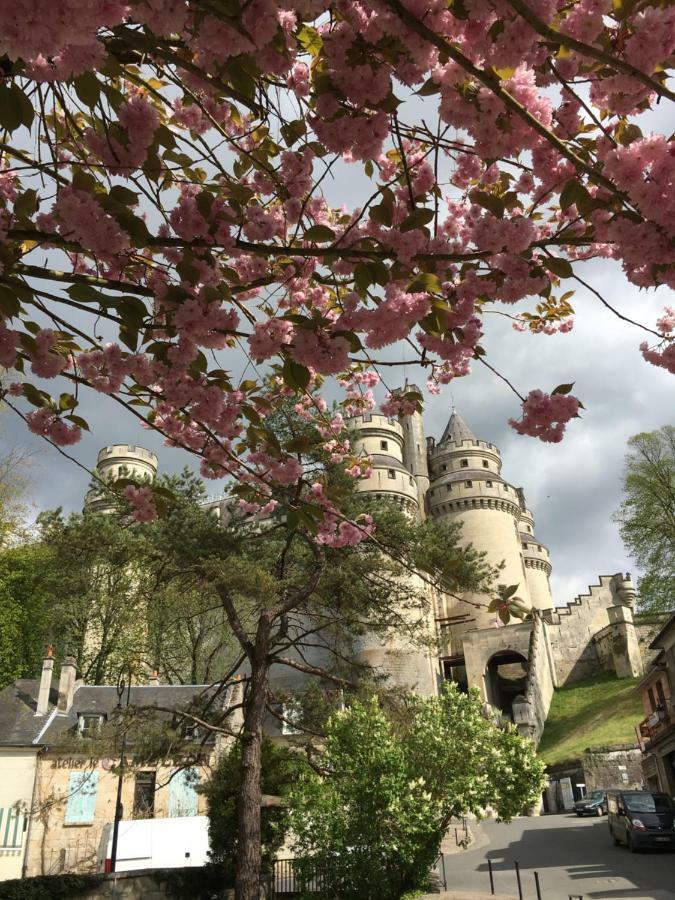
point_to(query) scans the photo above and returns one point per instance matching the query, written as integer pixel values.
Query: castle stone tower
(467, 486)
(119, 461)
(536, 559)
(382, 439)
(393, 478)
(415, 452)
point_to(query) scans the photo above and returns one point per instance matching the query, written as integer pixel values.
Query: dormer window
(384, 445)
(89, 723)
(464, 463)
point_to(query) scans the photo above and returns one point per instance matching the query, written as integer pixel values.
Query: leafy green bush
(49, 887)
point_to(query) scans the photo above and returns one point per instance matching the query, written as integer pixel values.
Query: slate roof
(20, 726)
(382, 461)
(457, 431)
(467, 475)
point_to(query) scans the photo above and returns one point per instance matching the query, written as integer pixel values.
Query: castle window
(488, 483)
(529, 529)
(444, 468)
(539, 547)
(524, 546)
(506, 487)
(464, 463)
(448, 487)
(485, 464)
(391, 473)
(384, 445)
(410, 480)
(468, 483)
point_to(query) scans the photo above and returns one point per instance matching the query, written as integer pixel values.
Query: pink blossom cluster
(546, 415)
(138, 120)
(44, 362)
(47, 423)
(142, 503)
(79, 216)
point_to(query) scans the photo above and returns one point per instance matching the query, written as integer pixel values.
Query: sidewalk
(462, 895)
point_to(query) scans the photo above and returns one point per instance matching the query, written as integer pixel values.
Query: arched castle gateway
(515, 667)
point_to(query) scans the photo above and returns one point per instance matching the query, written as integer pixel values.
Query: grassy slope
(598, 712)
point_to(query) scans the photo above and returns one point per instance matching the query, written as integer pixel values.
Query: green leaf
(295, 375)
(9, 302)
(627, 132)
(509, 591)
(78, 420)
(563, 388)
(319, 233)
(87, 88)
(11, 109)
(26, 204)
(383, 214)
(418, 218)
(425, 281)
(310, 40)
(491, 202)
(504, 615)
(428, 88)
(33, 395)
(293, 131)
(560, 267)
(123, 195)
(85, 293)
(67, 401)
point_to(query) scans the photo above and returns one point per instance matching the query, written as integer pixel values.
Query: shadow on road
(580, 852)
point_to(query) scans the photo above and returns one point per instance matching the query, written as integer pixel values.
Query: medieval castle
(516, 667)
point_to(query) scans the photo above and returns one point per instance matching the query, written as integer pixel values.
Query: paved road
(572, 855)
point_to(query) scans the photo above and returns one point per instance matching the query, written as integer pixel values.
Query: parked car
(594, 804)
(641, 819)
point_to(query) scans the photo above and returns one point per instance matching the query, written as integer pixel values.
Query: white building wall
(17, 777)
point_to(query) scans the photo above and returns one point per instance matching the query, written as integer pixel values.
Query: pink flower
(546, 415)
(142, 501)
(46, 423)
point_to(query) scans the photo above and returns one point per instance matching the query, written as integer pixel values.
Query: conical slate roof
(457, 430)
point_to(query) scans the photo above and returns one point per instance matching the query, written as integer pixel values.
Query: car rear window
(648, 802)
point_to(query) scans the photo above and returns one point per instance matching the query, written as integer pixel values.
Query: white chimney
(67, 684)
(153, 680)
(45, 682)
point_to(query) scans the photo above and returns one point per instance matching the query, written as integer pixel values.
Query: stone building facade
(515, 667)
(62, 790)
(656, 732)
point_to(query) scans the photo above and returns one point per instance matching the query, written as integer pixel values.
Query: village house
(656, 732)
(58, 796)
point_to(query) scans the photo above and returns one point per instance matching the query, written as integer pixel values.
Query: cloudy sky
(572, 488)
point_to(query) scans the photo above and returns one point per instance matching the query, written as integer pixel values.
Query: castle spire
(457, 430)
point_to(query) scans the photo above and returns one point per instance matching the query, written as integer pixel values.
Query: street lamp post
(121, 686)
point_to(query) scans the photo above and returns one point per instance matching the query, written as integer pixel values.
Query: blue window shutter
(82, 788)
(183, 798)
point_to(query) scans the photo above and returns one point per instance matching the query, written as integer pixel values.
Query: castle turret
(467, 486)
(415, 451)
(381, 438)
(536, 559)
(406, 665)
(120, 461)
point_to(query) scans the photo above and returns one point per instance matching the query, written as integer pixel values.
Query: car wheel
(631, 846)
(598, 811)
(578, 815)
(615, 839)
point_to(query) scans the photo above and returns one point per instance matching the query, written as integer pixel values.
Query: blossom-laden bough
(164, 212)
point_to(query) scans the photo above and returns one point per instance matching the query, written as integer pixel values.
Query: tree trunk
(249, 849)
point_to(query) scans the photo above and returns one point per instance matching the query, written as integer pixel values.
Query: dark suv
(641, 819)
(594, 804)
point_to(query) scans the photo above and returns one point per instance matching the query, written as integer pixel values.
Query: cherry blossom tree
(165, 210)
